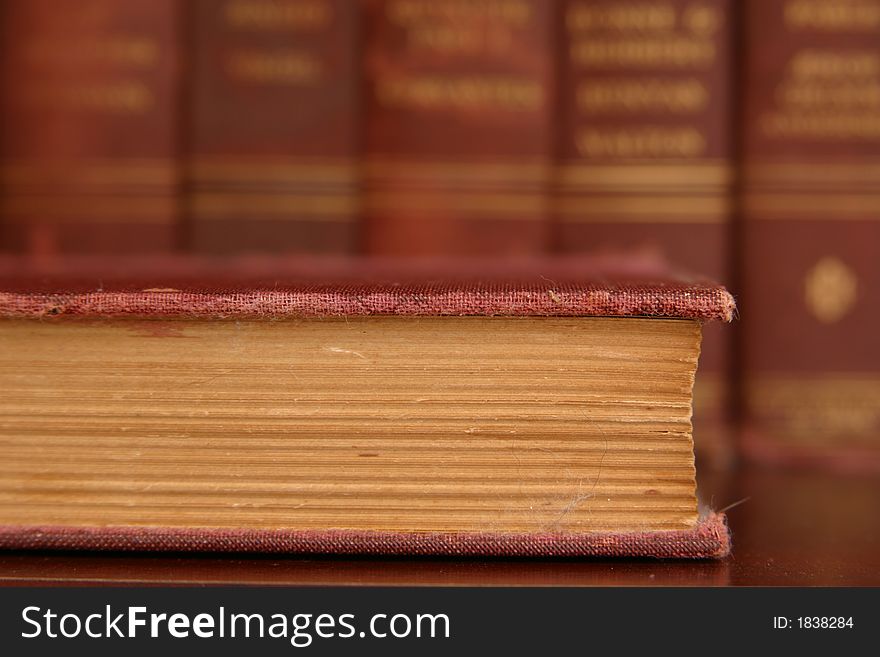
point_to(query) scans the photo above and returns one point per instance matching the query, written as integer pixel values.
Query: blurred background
(739, 140)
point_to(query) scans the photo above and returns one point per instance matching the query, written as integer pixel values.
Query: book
(274, 127)
(88, 128)
(93, 569)
(645, 153)
(811, 206)
(457, 126)
(546, 413)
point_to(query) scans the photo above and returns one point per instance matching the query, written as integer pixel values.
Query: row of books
(394, 127)
(740, 139)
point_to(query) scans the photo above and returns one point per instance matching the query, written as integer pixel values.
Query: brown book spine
(458, 126)
(645, 153)
(89, 126)
(273, 132)
(811, 232)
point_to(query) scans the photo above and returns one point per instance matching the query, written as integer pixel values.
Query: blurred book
(273, 126)
(811, 251)
(89, 131)
(457, 126)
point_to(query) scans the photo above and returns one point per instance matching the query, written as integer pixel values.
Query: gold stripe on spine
(709, 175)
(512, 190)
(817, 206)
(767, 174)
(497, 171)
(645, 192)
(711, 209)
(813, 191)
(813, 409)
(523, 206)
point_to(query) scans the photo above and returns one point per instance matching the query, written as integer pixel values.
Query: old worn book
(273, 126)
(811, 207)
(88, 128)
(457, 126)
(545, 413)
(645, 153)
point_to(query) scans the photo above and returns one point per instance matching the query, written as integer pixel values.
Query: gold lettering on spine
(433, 93)
(642, 142)
(659, 53)
(853, 15)
(296, 15)
(489, 30)
(642, 17)
(810, 64)
(126, 57)
(460, 27)
(126, 97)
(643, 35)
(828, 94)
(643, 95)
(453, 27)
(418, 12)
(277, 66)
(131, 52)
(671, 46)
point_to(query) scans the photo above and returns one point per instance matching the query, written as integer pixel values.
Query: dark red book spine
(273, 132)
(811, 232)
(645, 152)
(89, 128)
(458, 127)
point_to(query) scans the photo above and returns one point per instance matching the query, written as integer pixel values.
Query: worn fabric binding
(710, 539)
(528, 299)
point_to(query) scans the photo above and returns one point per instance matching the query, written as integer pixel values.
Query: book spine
(645, 154)
(458, 126)
(811, 232)
(273, 126)
(89, 126)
